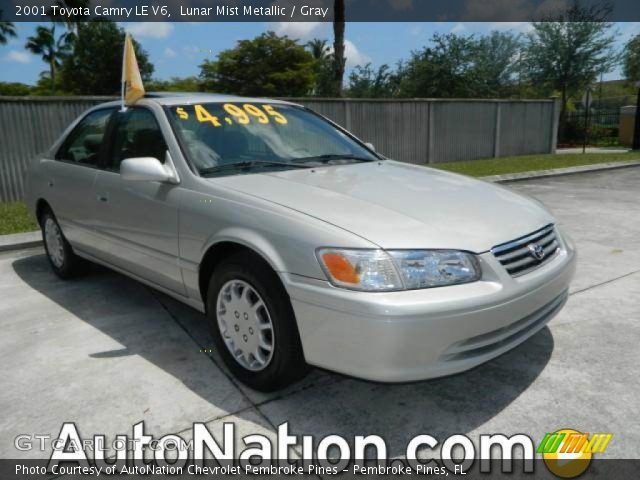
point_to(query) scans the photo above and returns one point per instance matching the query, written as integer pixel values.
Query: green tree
(365, 82)
(496, 61)
(14, 89)
(339, 60)
(631, 59)
(268, 65)
(43, 86)
(569, 53)
(318, 48)
(463, 66)
(7, 29)
(323, 58)
(175, 84)
(52, 50)
(94, 65)
(445, 68)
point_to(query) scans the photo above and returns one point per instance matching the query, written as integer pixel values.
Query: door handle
(50, 183)
(103, 198)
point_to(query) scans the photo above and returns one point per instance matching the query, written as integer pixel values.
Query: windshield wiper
(333, 156)
(247, 165)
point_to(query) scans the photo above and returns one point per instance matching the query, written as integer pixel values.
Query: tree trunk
(338, 46)
(52, 73)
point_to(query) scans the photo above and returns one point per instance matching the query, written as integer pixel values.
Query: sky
(177, 49)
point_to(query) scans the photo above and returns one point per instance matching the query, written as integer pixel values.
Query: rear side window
(85, 141)
(137, 134)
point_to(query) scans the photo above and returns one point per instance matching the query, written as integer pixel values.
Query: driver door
(139, 219)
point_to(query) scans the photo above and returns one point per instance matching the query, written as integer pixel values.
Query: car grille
(527, 253)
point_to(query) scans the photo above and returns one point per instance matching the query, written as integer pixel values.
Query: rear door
(138, 220)
(71, 177)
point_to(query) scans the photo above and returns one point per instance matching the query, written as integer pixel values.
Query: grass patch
(528, 163)
(15, 218)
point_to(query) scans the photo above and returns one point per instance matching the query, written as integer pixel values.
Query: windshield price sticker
(235, 114)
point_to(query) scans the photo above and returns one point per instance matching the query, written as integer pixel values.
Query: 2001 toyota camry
(302, 245)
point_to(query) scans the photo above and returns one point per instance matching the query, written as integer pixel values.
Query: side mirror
(370, 146)
(146, 169)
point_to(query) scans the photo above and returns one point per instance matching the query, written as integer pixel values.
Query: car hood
(398, 205)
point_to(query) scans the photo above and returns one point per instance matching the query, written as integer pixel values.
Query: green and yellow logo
(567, 453)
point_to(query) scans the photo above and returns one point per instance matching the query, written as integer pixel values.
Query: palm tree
(338, 46)
(323, 57)
(318, 48)
(51, 50)
(7, 29)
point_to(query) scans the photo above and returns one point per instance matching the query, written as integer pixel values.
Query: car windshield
(232, 138)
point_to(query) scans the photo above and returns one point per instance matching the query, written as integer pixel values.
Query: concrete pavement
(578, 150)
(106, 352)
(558, 172)
(16, 241)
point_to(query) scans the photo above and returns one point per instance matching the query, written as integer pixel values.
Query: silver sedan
(301, 244)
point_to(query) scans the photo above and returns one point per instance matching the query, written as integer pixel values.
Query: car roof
(186, 98)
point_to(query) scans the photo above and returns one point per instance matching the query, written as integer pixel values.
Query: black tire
(70, 265)
(287, 364)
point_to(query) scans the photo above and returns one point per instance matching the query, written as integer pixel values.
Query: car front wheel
(253, 324)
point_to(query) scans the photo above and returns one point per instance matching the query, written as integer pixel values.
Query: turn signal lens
(340, 268)
(368, 270)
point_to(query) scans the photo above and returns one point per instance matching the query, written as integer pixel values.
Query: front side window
(84, 143)
(231, 138)
(137, 134)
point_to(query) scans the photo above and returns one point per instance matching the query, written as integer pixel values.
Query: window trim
(57, 157)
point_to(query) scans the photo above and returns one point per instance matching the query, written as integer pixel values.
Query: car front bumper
(420, 334)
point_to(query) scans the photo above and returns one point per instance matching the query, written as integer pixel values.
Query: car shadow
(338, 405)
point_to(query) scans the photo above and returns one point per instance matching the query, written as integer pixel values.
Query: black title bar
(314, 10)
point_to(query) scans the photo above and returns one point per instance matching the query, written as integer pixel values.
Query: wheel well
(215, 254)
(41, 207)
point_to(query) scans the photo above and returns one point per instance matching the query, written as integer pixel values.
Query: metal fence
(600, 128)
(417, 131)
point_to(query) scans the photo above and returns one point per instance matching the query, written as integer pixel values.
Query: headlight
(435, 268)
(379, 270)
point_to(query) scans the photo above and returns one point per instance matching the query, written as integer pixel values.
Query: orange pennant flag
(132, 87)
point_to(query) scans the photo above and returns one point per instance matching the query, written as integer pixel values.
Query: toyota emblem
(536, 251)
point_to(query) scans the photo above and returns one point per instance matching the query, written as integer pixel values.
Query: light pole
(586, 102)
